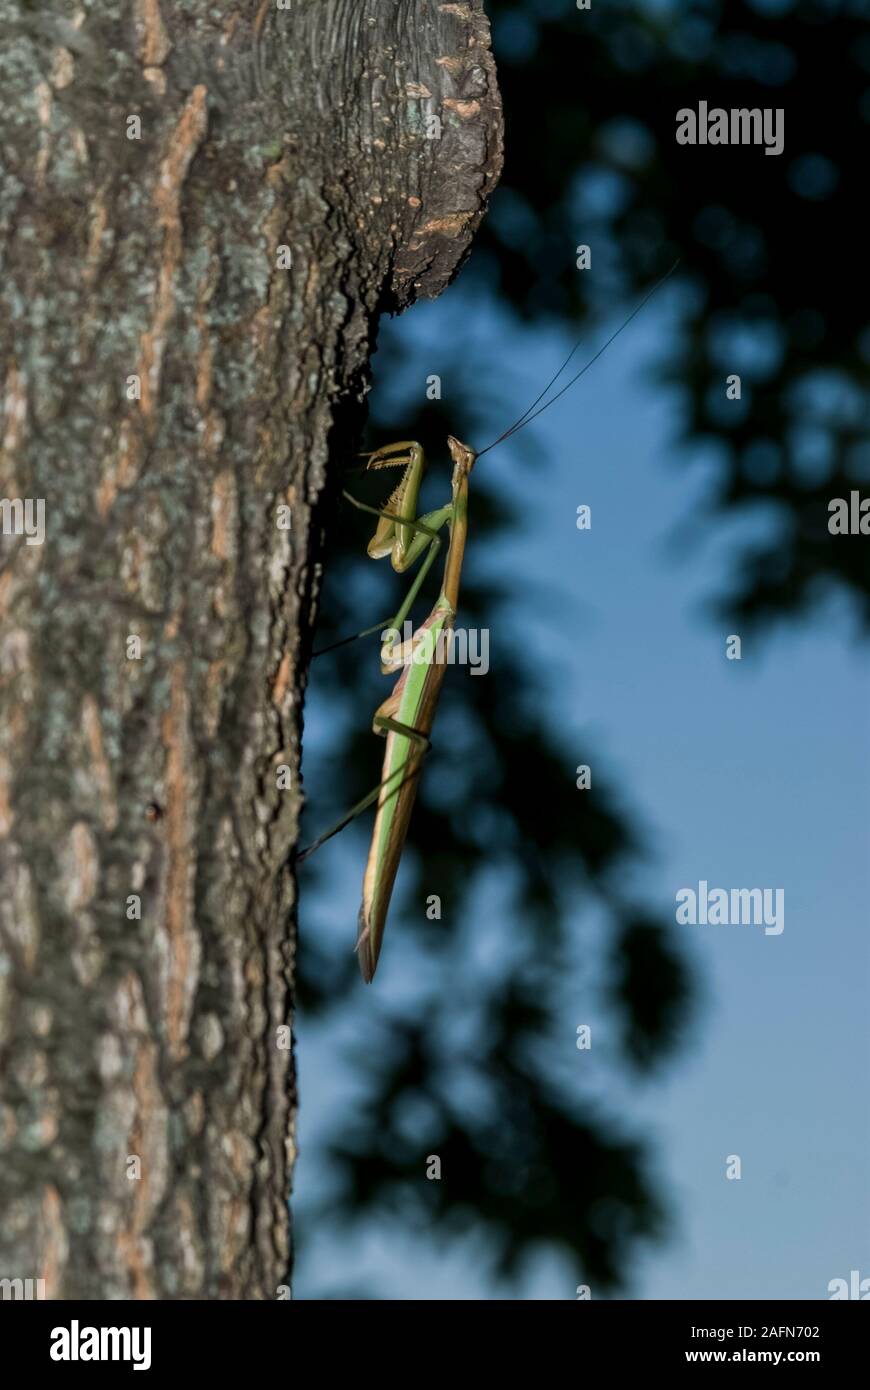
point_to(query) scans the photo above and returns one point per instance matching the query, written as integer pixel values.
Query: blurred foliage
(772, 245)
(459, 1055)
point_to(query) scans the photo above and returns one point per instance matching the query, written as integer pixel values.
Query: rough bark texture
(155, 776)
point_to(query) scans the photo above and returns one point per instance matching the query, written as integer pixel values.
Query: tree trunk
(175, 387)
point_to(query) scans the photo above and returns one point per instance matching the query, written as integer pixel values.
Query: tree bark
(170, 387)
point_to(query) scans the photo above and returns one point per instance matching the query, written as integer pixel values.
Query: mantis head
(463, 458)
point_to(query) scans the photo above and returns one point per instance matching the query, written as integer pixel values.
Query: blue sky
(746, 774)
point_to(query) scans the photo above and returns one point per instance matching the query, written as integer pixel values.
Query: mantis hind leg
(389, 726)
(395, 726)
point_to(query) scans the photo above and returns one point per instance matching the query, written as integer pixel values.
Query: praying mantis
(406, 716)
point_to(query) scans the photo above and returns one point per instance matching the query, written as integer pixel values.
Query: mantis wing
(411, 706)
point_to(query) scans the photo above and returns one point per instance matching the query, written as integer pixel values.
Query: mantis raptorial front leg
(428, 526)
(399, 533)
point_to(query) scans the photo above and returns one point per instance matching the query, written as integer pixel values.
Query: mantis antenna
(532, 414)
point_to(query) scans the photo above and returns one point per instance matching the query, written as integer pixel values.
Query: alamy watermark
(740, 126)
(855, 1287)
(849, 518)
(22, 1289)
(446, 646)
(754, 907)
(77, 1343)
(17, 518)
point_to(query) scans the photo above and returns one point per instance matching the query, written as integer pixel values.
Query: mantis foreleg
(428, 527)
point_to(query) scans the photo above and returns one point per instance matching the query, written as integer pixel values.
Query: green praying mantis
(406, 716)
